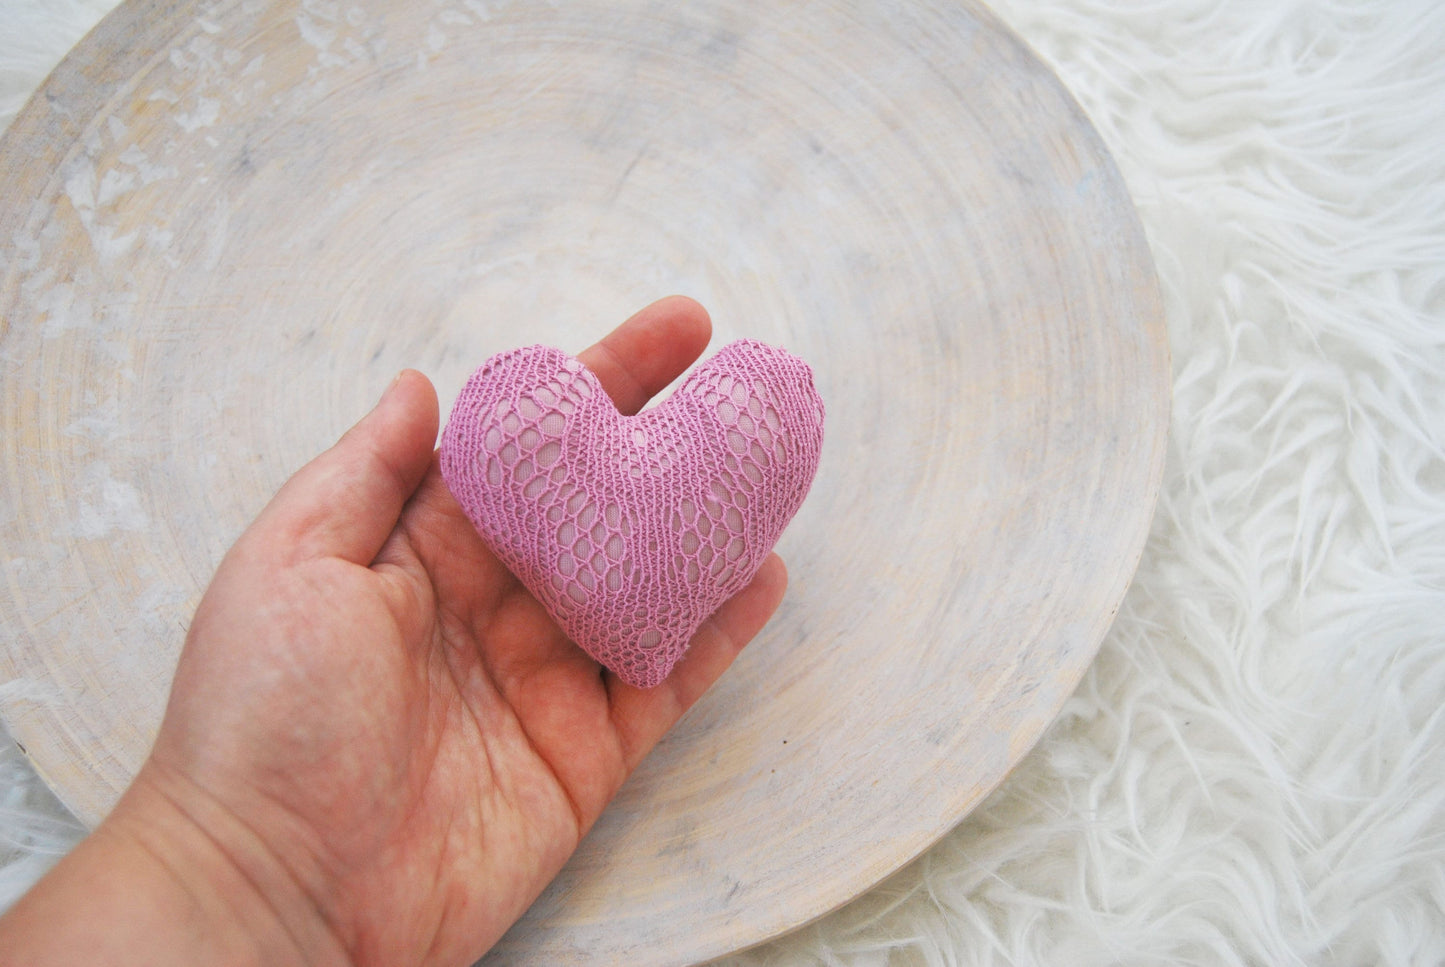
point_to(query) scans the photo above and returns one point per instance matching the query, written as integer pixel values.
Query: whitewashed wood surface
(225, 225)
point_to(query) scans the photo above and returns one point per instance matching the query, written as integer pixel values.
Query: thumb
(346, 502)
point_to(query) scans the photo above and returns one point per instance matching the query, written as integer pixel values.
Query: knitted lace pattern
(633, 530)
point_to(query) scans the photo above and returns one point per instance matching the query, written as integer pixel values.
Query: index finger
(649, 350)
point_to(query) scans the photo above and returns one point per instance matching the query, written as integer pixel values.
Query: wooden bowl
(226, 225)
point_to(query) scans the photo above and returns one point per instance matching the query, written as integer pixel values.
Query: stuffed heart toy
(632, 530)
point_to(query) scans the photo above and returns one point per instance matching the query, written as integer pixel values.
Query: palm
(464, 745)
(500, 748)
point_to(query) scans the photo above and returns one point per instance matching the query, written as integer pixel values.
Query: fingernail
(390, 387)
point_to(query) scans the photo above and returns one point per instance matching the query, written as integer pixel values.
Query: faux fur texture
(1253, 772)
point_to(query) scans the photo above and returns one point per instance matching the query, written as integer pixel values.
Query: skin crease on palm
(378, 748)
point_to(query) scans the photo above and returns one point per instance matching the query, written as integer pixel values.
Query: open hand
(379, 748)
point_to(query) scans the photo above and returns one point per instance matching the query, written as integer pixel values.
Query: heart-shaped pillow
(633, 530)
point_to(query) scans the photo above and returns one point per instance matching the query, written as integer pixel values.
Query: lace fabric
(632, 531)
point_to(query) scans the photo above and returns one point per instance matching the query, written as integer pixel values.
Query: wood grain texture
(226, 225)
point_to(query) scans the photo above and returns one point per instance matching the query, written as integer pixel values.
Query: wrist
(169, 878)
(232, 878)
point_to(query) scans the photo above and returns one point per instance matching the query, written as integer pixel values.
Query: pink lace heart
(631, 531)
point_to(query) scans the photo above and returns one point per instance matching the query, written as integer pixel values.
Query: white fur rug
(1253, 772)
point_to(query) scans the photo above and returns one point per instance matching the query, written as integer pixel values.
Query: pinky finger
(643, 716)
